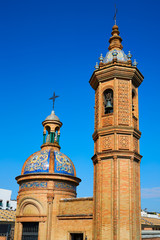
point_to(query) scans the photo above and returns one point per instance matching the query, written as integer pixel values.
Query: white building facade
(5, 200)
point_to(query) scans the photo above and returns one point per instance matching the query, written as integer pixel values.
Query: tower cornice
(116, 129)
(100, 156)
(48, 177)
(119, 71)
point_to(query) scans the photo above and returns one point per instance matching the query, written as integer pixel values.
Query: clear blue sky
(48, 46)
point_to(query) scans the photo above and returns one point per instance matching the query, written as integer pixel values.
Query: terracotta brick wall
(76, 206)
(66, 227)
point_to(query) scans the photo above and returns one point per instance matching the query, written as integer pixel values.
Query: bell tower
(116, 159)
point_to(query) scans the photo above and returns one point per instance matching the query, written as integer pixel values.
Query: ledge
(74, 217)
(76, 199)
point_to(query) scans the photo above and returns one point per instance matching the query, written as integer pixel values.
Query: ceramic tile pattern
(36, 184)
(38, 162)
(63, 164)
(65, 186)
(121, 56)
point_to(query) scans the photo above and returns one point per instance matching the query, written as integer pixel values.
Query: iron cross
(115, 14)
(53, 98)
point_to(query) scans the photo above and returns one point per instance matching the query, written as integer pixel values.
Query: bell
(109, 105)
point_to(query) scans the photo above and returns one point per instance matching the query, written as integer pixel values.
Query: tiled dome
(62, 164)
(121, 56)
(39, 163)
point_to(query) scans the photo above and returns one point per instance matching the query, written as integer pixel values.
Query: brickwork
(107, 121)
(107, 142)
(78, 206)
(68, 226)
(116, 214)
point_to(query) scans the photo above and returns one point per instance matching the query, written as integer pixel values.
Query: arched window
(48, 135)
(108, 101)
(133, 100)
(57, 135)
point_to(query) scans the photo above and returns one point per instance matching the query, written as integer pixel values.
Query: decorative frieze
(37, 184)
(65, 186)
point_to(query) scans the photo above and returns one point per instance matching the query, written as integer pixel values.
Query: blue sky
(48, 46)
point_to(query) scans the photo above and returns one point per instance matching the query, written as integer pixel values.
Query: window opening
(56, 138)
(7, 204)
(5, 230)
(48, 135)
(133, 97)
(76, 236)
(108, 101)
(30, 231)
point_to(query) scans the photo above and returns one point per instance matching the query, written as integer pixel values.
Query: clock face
(38, 162)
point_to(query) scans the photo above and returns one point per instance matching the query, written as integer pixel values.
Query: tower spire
(115, 15)
(115, 40)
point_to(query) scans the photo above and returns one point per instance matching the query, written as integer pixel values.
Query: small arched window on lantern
(48, 135)
(57, 135)
(108, 101)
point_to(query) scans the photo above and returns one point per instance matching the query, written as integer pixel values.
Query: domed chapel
(47, 206)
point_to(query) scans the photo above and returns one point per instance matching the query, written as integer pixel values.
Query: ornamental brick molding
(107, 142)
(50, 197)
(123, 103)
(107, 121)
(124, 142)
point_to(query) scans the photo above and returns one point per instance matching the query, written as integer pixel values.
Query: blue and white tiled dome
(62, 164)
(121, 56)
(39, 163)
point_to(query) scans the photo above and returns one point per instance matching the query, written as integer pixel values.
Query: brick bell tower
(116, 159)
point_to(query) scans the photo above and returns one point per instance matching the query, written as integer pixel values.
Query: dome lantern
(52, 125)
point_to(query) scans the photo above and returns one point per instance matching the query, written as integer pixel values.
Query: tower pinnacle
(115, 40)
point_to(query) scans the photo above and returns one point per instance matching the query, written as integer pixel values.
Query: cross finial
(115, 14)
(53, 98)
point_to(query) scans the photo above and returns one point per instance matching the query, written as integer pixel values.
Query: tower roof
(115, 47)
(40, 162)
(52, 117)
